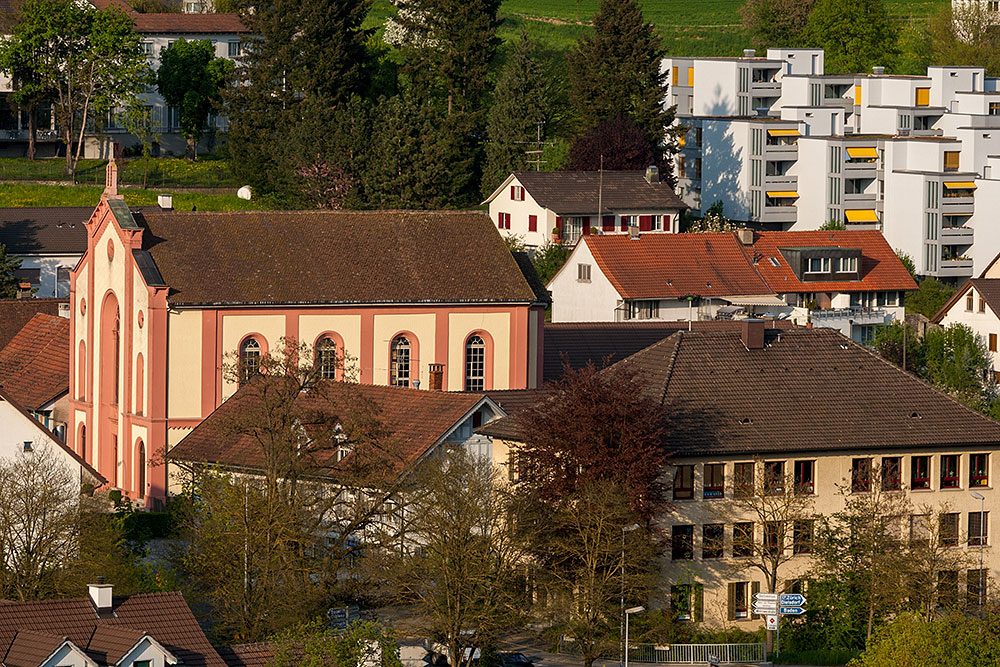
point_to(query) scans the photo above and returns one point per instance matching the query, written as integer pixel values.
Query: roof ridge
(671, 364)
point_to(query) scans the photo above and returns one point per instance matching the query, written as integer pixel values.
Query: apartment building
(881, 139)
(806, 410)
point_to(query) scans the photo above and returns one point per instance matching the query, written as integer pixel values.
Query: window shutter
(507, 221)
(608, 223)
(698, 611)
(645, 223)
(532, 223)
(558, 222)
(624, 223)
(754, 589)
(512, 196)
(586, 225)
(732, 602)
(499, 220)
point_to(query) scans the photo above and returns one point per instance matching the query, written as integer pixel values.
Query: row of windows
(400, 349)
(840, 264)
(233, 48)
(890, 477)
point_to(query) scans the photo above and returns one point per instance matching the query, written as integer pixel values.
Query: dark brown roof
(415, 419)
(576, 192)
(110, 643)
(328, 257)
(34, 365)
(30, 649)
(257, 654)
(580, 343)
(15, 313)
(515, 400)
(165, 617)
(44, 230)
(182, 24)
(988, 288)
(806, 390)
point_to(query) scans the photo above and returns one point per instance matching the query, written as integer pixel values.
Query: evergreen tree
(776, 22)
(8, 265)
(520, 106)
(855, 34)
(616, 71)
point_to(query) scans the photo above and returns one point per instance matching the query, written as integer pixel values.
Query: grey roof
(45, 230)
(576, 192)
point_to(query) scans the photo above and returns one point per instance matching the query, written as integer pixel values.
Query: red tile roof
(34, 365)
(110, 643)
(183, 24)
(15, 313)
(330, 257)
(415, 420)
(880, 268)
(165, 617)
(668, 266)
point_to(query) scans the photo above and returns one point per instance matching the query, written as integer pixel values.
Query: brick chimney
(100, 596)
(437, 377)
(752, 334)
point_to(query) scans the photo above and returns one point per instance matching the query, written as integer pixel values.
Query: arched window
(140, 464)
(326, 358)
(83, 442)
(139, 383)
(249, 359)
(475, 364)
(399, 364)
(116, 333)
(81, 373)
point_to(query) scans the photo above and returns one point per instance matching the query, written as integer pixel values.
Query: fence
(685, 654)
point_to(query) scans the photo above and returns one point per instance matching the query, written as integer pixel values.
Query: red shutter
(608, 223)
(506, 221)
(512, 193)
(586, 225)
(558, 222)
(645, 223)
(624, 223)
(532, 223)
(500, 220)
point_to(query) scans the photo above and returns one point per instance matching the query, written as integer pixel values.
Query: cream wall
(460, 327)
(385, 329)
(108, 274)
(140, 303)
(184, 364)
(235, 328)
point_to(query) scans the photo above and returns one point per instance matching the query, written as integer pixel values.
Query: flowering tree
(324, 185)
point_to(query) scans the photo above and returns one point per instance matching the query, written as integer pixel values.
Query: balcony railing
(859, 314)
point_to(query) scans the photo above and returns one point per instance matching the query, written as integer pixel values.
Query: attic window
(774, 261)
(914, 415)
(746, 420)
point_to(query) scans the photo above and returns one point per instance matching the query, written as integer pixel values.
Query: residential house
(976, 304)
(163, 301)
(104, 630)
(539, 206)
(847, 280)
(34, 370)
(812, 411)
(49, 241)
(15, 313)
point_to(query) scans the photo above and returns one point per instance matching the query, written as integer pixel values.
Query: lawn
(25, 194)
(163, 172)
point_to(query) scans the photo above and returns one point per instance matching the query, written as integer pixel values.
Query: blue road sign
(793, 599)
(791, 611)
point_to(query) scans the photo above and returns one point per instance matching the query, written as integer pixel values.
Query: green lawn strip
(23, 194)
(163, 172)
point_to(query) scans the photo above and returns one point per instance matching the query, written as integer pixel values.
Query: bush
(816, 657)
(954, 639)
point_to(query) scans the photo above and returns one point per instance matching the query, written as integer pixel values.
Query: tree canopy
(854, 34)
(190, 79)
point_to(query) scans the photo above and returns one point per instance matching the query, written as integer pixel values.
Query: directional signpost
(773, 605)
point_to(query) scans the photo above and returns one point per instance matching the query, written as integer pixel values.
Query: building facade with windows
(162, 301)
(880, 137)
(811, 415)
(564, 206)
(976, 304)
(49, 241)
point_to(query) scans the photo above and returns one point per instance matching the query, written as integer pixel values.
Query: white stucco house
(976, 304)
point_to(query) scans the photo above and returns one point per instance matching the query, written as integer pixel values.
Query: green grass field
(26, 194)
(163, 172)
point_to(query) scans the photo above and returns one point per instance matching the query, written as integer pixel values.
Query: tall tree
(19, 58)
(190, 79)
(518, 114)
(776, 22)
(8, 265)
(615, 70)
(363, 644)
(616, 143)
(854, 34)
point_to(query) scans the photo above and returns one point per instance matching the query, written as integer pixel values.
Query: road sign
(793, 599)
(765, 597)
(767, 609)
(792, 611)
(771, 621)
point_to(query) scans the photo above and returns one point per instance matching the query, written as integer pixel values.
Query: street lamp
(982, 534)
(621, 620)
(629, 612)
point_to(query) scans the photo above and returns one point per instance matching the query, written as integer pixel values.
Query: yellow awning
(858, 151)
(780, 194)
(861, 215)
(782, 133)
(960, 185)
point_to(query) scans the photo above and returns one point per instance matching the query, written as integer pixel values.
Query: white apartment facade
(908, 155)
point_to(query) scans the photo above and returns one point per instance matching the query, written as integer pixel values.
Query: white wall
(49, 265)
(16, 428)
(577, 301)
(983, 323)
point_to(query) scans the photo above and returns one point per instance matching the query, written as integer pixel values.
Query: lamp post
(629, 612)
(621, 620)
(982, 534)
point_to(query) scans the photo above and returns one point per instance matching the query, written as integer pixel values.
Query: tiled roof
(317, 257)
(415, 419)
(576, 192)
(165, 617)
(880, 268)
(15, 313)
(44, 230)
(806, 390)
(580, 343)
(988, 288)
(257, 654)
(34, 365)
(109, 643)
(669, 266)
(30, 649)
(182, 24)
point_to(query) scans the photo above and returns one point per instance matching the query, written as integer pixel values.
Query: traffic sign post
(771, 621)
(773, 606)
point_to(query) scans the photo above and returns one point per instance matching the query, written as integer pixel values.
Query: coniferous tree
(616, 71)
(8, 265)
(521, 101)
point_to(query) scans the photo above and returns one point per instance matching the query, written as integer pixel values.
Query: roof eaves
(939, 315)
(499, 189)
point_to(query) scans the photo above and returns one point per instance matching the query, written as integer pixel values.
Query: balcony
(781, 182)
(860, 169)
(837, 317)
(964, 205)
(956, 235)
(779, 214)
(774, 152)
(955, 268)
(860, 200)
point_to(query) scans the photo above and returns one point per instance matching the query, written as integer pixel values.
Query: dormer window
(818, 265)
(847, 265)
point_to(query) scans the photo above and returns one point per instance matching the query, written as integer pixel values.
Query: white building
(49, 240)
(908, 155)
(536, 206)
(976, 304)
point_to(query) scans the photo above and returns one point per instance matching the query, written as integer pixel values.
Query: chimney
(745, 235)
(437, 376)
(652, 174)
(64, 310)
(752, 334)
(100, 597)
(24, 290)
(749, 53)
(633, 232)
(165, 202)
(878, 70)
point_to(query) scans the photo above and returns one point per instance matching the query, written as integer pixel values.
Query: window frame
(800, 544)
(717, 542)
(682, 542)
(770, 487)
(950, 464)
(680, 491)
(887, 478)
(861, 475)
(948, 529)
(714, 481)
(473, 381)
(396, 363)
(975, 537)
(743, 485)
(249, 368)
(983, 480)
(805, 487)
(922, 483)
(324, 354)
(743, 539)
